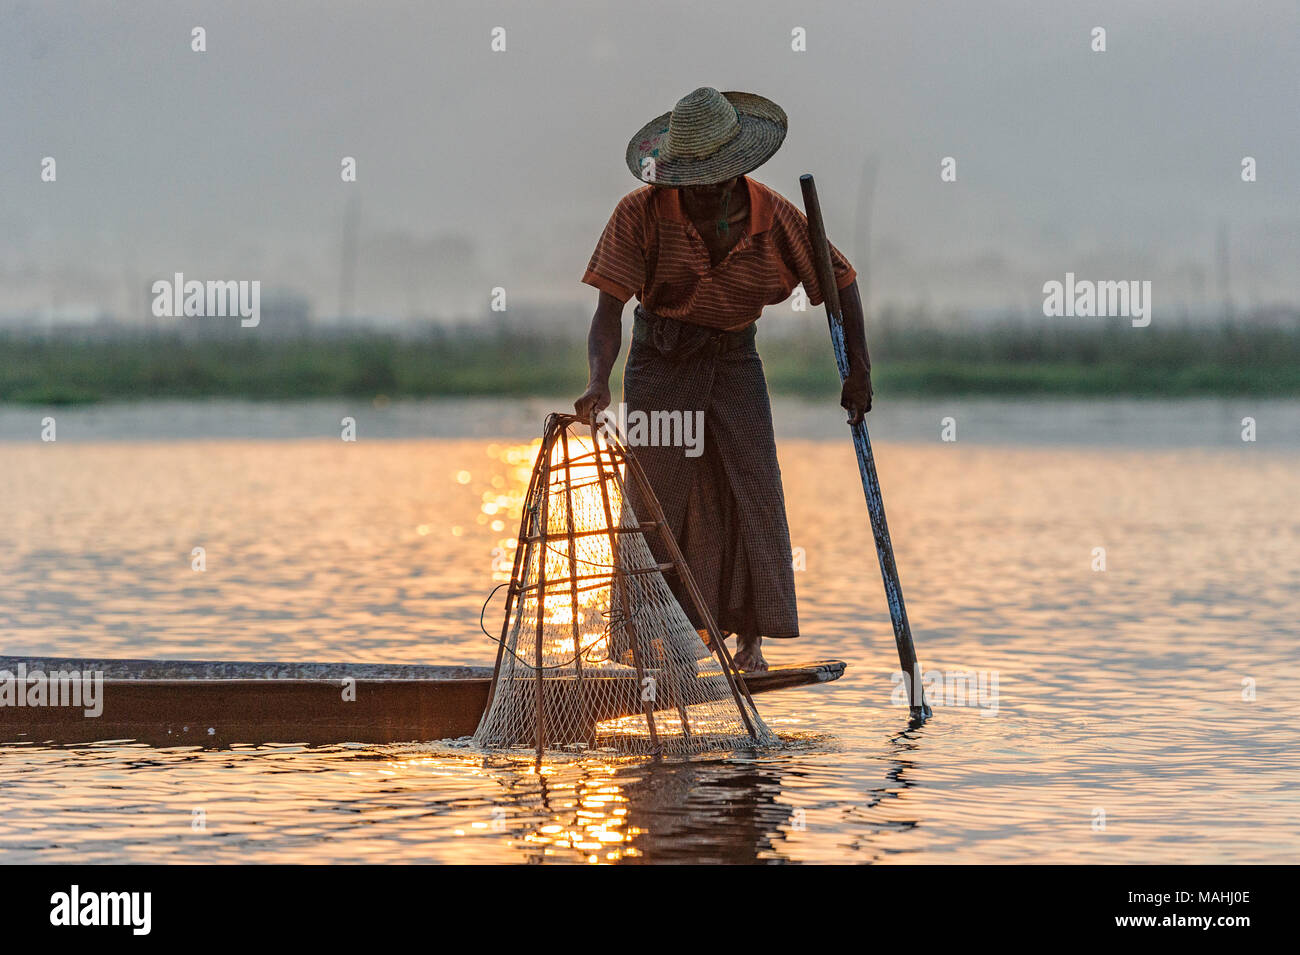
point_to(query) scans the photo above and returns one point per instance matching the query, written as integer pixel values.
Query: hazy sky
(481, 169)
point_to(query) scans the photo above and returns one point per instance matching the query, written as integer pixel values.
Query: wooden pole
(919, 709)
(543, 529)
(522, 548)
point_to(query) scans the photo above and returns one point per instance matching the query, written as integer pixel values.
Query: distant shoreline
(1213, 362)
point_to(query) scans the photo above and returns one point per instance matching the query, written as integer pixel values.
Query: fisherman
(704, 248)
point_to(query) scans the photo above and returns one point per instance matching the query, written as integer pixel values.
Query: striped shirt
(651, 249)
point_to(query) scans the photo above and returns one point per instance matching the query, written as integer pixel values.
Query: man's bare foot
(749, 653)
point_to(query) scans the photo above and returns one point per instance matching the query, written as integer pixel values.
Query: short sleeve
(618, 264)
(795, 248)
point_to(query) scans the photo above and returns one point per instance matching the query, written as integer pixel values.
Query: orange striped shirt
(651, 249)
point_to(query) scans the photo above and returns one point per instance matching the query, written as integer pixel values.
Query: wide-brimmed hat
(709, 137)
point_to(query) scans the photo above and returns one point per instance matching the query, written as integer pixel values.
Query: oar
(920, 710)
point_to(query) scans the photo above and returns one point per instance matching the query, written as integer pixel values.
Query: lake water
(1147, 712)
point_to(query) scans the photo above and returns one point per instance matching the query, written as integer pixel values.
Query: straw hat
(709, 137)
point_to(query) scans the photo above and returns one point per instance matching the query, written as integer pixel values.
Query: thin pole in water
(919, 709)
(523, 548)
(543, 530)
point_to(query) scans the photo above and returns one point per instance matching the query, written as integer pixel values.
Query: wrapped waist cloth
(720, 485)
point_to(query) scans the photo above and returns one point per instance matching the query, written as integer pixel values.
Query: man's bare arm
(603, 343)
(855, 397)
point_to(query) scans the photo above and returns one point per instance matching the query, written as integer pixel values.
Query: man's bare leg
(749, 653)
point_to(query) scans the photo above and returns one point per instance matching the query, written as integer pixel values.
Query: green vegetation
(1036, 359)
(67, 370)
(1045, 360)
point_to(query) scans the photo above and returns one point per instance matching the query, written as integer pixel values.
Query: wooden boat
(216, 703)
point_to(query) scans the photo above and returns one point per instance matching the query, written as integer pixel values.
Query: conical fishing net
(595, 651)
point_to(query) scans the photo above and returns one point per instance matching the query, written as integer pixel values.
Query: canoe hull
(200, 703)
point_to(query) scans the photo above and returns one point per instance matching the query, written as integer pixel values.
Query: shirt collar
(668, 204)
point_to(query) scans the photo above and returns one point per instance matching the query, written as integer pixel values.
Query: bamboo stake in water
(919, 709)
(523, 550)
(543, 529)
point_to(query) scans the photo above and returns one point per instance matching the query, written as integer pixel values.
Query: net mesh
(596, 652)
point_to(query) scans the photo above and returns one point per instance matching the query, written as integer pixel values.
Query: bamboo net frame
(595, 652)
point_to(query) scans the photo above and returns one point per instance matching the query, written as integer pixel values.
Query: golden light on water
(581, 812)
(506, 500)
(594, 826)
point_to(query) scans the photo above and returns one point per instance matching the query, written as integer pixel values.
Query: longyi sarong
(726, 507)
